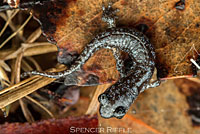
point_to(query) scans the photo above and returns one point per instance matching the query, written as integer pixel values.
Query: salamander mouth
(105, 111)
(108, 112)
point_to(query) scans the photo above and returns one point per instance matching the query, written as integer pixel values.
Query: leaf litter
(173, 32)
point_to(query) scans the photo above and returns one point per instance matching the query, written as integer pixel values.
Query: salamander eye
(103, 99)
(120, 112)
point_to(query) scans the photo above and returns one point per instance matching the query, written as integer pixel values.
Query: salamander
(116, 100)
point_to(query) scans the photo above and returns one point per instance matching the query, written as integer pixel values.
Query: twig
(23, 88)
(12, 26)
(5, 66)
(40, 105)
(35, 63)
(13, 87)
(8, 21)
(26, 112)
(13, 35)
(3, 75)
(94, 104)
(25, 66)
(194, 62)
(34, 36)
(194, 50)
(33, 49)
(26, 89)
(194, 79)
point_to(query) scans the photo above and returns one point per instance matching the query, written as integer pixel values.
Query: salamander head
(114, 107)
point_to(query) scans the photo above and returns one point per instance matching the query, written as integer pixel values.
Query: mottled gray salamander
(116, 100)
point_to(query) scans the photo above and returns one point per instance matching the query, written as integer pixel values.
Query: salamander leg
(109, 16)
(153, 84)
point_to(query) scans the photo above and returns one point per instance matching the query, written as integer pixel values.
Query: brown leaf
(191, 90)
(172, 26)
(128, 124)
(52, 126)
(165, 108)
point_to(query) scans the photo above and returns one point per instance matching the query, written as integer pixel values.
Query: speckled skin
(116, 100)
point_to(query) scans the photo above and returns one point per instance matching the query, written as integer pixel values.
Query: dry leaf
(128, 124)
(173, 28)
(52, 126)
